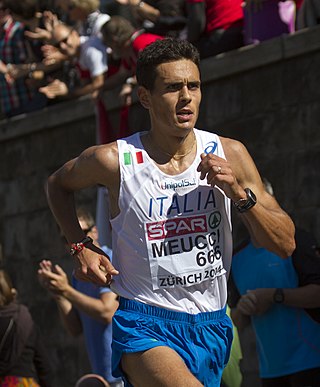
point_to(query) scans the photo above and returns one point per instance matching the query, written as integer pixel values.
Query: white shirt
(93, 55)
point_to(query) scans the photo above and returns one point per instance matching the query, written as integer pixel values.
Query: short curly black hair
(162, 51)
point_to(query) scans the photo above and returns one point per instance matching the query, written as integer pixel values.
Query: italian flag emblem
(129, 159)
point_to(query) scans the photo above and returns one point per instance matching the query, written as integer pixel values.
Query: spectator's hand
(38, 34)
(95, 94)
(92, 265)
(23, 71)
(50, 21)
(255, 302)
(247, 304)
(52, 55)
(45, 266)
(16, 71)
(3, 67)
(55, 89)
(264, 299)
(4, 71)
(126, 95)
(53, 278)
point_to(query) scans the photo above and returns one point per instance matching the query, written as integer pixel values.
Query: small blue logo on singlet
(210, 147)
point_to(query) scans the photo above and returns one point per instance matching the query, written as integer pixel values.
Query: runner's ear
(143, 95)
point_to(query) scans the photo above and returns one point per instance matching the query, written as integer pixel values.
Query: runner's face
(175, 99)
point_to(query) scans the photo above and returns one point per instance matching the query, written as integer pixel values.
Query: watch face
(245, 204)
(251, 195)
(278, 296)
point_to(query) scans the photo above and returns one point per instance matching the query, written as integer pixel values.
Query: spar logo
(176, 227)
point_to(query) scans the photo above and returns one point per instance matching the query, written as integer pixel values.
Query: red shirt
(221, 14)
(138, 44)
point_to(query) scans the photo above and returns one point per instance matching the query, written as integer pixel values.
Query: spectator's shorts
(202, 340)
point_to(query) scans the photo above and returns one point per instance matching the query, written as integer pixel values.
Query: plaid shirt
(13, 50)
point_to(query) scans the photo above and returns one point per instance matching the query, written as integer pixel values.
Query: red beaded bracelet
(79, 246)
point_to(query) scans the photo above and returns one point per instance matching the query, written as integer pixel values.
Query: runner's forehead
(177, 71)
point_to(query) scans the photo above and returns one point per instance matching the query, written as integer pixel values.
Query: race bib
(185, 251)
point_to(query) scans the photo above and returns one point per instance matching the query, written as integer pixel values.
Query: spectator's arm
(142, 9)
(196, 21)
(39, 34)
(239, 319)
(3, 67)
(101, 309)
(117, 79)
(165, 15)
(252, 303)
(55, 283)
(259, 301)
(69, 316)
(44, 34)
(68, 299)
(32, 70)
(93, 86)
(301, 297)
(58, 88)
(145, 10)
(52, 55)
(126, 91)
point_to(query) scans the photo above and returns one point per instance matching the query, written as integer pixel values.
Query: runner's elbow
(286, 249)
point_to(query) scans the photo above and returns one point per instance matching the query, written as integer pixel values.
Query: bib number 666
(203, 258)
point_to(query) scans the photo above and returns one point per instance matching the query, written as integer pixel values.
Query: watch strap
(244, 205)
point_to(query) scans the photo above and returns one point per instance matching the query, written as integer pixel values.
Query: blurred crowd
(52, 50)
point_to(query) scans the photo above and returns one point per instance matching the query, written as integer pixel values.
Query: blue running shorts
(202, 340)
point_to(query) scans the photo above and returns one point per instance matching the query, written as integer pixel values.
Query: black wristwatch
(243, 205)
(278, 296)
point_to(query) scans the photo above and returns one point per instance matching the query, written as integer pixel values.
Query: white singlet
(172, 241)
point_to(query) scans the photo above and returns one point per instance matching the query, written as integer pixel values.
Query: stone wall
(266, 96)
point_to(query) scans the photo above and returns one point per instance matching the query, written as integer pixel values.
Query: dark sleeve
(7, 335)
(171, 22)
(196, 20)
(233, 292)
(172, 16)
(306, 262)
(305, 259)
(41, 361)
(169, 7)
